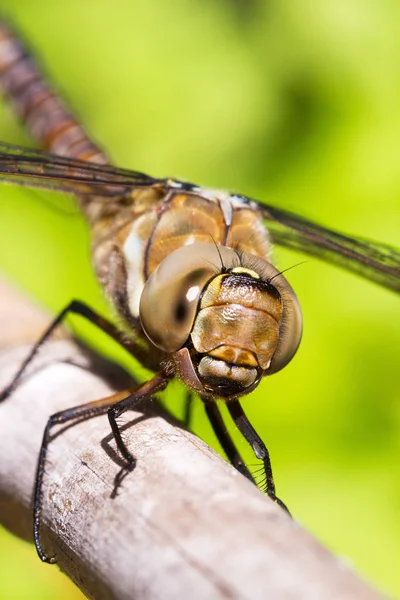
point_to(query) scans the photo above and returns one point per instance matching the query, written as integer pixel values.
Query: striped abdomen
(44, 113)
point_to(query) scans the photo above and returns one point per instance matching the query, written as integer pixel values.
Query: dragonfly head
(227, 318)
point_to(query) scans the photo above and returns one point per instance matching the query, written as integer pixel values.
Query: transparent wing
(26, 167)
(375, 261)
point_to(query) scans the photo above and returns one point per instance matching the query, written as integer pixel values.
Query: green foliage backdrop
(297, 103)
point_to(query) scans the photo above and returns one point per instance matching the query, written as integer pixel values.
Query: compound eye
(168, 304)
(291, 327)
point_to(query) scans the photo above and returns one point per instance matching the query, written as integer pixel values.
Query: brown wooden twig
(184, 525)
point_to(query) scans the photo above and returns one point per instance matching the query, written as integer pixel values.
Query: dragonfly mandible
(186, 268)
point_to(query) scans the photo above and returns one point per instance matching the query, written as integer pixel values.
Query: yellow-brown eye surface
(291, 322)
(169, 300)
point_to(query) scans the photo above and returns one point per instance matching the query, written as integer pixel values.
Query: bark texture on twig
(184, 525)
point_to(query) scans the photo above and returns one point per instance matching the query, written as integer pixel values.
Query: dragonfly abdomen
(38, 106)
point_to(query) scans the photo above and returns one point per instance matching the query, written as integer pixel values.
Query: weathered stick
(184, 525)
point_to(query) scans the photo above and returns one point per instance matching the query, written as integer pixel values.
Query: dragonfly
(187, 269)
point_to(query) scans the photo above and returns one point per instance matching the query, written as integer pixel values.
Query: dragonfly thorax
(220, 316)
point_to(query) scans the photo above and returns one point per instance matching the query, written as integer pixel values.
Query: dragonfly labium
(187, 270)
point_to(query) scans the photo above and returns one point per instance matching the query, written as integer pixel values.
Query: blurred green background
(297, 103)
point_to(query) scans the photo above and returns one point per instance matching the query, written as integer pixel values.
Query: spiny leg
(84, 411)
(225, 439)
(188, 409)
(258, 446)
(121, 401)
(78, 308)
(156, 384)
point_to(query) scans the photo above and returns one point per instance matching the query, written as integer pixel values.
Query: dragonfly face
(219, 312)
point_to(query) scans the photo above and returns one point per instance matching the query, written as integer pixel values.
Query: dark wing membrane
(33, 168)
(375, 261)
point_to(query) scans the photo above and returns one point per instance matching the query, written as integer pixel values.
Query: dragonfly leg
(131, 402)
(225, 439)
(259, 448)
(82, 412)
(188, 410)
(78, 308)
